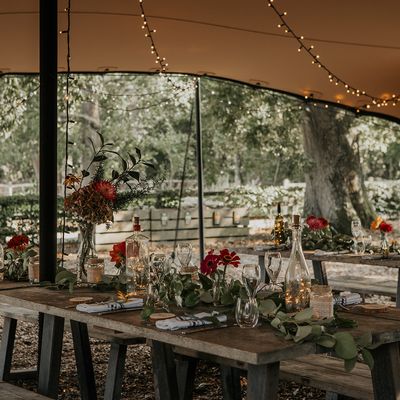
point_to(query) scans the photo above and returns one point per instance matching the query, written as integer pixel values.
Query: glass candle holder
(33, 271)
(321, 301)
(246, 312)
(95, 270)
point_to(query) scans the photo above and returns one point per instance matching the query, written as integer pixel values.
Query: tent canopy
(356, 40)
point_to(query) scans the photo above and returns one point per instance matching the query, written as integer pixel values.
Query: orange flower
(70, 181)
(106, 189)
(376, 223)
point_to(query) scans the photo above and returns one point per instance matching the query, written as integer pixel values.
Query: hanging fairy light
(333, 78)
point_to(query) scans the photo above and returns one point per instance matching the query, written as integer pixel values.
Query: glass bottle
(297, 278)
(321, 301)
(137, 259)
(279, 228)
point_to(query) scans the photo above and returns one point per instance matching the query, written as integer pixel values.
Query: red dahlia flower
(210, 263)
(118, 253)
(227, 258)
(106, 189)
(18, 242)
(385, 227)
(316, 224)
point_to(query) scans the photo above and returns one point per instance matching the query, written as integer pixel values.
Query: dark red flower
(210, 263)
(106, 189)
(316, 224)
(118, 253)
(18, 242)
(385, 227)
(227, 258)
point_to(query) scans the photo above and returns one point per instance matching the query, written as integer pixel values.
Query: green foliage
(301, 327)
(16, 263)
(65, 279)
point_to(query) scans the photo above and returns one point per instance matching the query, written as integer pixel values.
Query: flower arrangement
(210, 267)
(16, 257)
(318, 233)
(379, 224)
(118, 254)
(93, 198)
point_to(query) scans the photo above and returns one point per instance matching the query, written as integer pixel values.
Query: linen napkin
(109, 306)
(173, 324)
(347, 298)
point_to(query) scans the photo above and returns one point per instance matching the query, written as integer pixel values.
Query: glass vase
(86, 249)
(218, 288)
(384, 245)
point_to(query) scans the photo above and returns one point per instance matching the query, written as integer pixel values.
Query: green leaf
(365, 340)
(345, 346)
(146, 312)
(350, 364)
(114, 174)
(191, 300)
(304, 315)
(124, 164)
(85, 173)
(368, 358)
(134, 175)
(267, 307)
(206, 297)
(101, 137)
(147, 164)
(206, 282)
(316, 330)
(99, 158)
(227, 299)
(139, 153)
(177, 287)
(133, 159)
(275, 323)
(302, 333)
(327, 341)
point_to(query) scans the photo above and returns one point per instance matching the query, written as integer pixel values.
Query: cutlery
(204, 328)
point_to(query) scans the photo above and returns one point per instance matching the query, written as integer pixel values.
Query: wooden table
(257, 350)
(319, 260)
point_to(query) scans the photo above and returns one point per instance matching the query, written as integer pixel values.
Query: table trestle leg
(262, 381)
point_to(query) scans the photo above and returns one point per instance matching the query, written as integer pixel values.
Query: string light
(371, 100)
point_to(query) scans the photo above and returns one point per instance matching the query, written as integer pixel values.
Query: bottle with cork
(137, 259)
(297, 278)
(279, 228)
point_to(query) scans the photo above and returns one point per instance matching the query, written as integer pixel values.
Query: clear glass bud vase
(297, 278)
(384, 245)
(86, 249)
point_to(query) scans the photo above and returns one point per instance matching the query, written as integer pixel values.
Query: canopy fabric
(357, 40)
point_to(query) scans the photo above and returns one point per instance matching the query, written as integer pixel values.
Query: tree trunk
(334, 181)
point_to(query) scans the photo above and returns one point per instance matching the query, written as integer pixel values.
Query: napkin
(329, 253)
(173, 324)
(109, 306)
(348, 298)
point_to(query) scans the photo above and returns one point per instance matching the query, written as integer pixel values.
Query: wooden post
(7, 347)
(262, 382)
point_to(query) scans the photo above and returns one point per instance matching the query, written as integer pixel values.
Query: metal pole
(48, 139)
(199, 152)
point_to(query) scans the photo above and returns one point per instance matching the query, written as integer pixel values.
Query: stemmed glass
(273, 265)
(184, 254)
(357, 232)
(159, 267)
(251, 278)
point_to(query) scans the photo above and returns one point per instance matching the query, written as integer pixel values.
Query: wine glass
(247, 312)
(184, 255)
(251, 277)
(273, 265)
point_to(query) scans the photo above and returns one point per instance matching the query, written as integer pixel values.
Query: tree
(334, 182)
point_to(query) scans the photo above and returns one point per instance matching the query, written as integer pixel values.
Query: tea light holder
(34, 272)
(164, 219)
(216, 218)
(95, 270)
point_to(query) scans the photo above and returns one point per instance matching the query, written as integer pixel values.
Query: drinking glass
(273, 265)
(246, 312)
(251, 277)
(184, 255)
(357, 232)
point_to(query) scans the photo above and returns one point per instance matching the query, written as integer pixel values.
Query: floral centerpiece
(214, 266)
(16, 257)
(318, 233)
(384, 227)
(93, 198)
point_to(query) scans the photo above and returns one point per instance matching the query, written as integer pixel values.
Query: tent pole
(199, 149)
(48, 139)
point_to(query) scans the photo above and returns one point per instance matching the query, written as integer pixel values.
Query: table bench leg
(164, 370)
(7, 347)
(84, 364)
(398, 290)
(230, 378)
(320, 272)
(50, 357)
(385, 374)
(186, 374)
(262, 382)
(115, 371)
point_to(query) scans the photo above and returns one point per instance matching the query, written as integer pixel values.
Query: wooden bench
(118, 341)
(12, 392)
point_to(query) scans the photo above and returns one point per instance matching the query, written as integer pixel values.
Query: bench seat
(12, 392)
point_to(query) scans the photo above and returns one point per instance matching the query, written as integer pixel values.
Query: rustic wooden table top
(348, 258)
(254, 346)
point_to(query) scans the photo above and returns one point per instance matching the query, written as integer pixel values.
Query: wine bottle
(137, 259)
(297, 278)
(279, 228)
